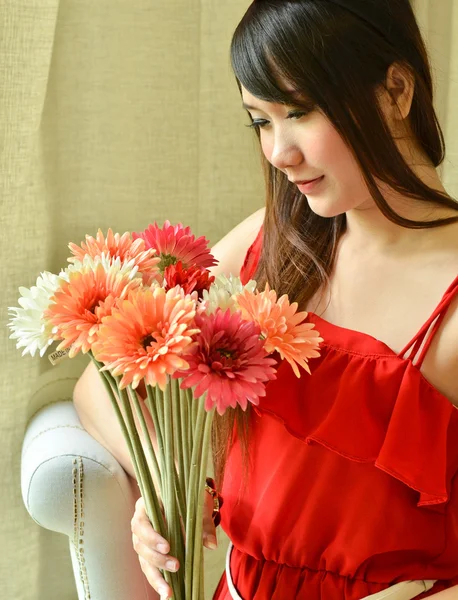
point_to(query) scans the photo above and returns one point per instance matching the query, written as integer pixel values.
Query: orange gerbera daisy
(122, 247)
(176, 243)
(146, 335)
(282, 328)
(81, 303)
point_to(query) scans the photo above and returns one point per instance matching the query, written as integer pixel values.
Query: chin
(326, 208)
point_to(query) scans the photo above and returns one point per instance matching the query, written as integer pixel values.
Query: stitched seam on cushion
(63, 399)
(78, 523)
(52, 429)
(113, 475)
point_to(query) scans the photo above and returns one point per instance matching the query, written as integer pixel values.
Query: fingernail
(163, 548)
(211, 542)
(171, 565)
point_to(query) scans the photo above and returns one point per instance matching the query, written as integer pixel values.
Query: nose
(285, 153)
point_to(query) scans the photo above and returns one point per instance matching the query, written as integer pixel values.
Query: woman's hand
(153, 549)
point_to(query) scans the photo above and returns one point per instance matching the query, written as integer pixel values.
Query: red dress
(354, 487)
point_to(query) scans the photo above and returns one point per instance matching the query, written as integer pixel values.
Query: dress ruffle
(381, 411)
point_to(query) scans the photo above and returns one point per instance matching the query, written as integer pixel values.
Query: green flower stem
(171, 509)
(191, 419)
(197, 567)
(194, 495)
(159, 406)
(202, 582)
(149, 446)
(112, 390)
(149, 493)
(152, 502)
(184, 416)
(179, 450)
(154, 397)
(151, 403)
(195, 408)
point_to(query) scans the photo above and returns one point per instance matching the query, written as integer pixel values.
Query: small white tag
(58, 356)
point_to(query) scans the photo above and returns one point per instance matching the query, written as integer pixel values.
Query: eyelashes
(261, 123)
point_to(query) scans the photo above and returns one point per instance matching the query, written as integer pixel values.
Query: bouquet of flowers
(147, 311)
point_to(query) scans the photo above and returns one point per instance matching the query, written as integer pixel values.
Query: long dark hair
(337, 60)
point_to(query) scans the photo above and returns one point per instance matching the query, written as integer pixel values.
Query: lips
(306, 181)
(310, 186)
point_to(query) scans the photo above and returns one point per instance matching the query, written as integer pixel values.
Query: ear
(397, 96)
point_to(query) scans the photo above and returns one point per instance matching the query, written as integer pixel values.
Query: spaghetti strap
(421, 342)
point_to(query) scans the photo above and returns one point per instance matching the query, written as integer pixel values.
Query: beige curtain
(116, 113)
(439, 24)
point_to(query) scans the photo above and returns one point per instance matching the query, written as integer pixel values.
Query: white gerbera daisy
(27, 325)
(127, 267)
(223, 293)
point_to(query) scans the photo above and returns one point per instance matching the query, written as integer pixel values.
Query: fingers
(209, 529)
(144, 531)
(157, 558)
(152, 550)
(155, 579)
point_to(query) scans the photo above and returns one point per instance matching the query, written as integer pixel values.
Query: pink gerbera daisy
(122, 247)
(282, 328)
(80, 304)
(176, 243)
(228, 362)
(146, 335)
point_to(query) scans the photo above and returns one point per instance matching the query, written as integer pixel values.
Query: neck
(368, 227)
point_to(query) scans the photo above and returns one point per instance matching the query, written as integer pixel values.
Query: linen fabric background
(116, 114)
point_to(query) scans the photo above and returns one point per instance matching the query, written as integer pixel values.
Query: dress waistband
(406, 590)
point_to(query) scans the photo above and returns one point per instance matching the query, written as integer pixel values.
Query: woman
(343, 484)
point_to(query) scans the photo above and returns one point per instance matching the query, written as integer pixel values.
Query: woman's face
(306, 146)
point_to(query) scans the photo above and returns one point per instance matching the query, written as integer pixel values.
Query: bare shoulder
(442, 359)
(231, 250)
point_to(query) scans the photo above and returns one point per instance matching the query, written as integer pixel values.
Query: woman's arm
(93, 405)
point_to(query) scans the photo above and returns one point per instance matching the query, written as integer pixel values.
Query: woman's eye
(295, 114)
(258, 124)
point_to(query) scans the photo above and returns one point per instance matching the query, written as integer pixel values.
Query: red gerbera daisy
(191, 280)
(228, 362)
(176, 243)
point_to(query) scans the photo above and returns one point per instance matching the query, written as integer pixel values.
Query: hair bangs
(259, 61)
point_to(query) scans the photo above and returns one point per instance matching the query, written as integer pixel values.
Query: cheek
(267, 146)
(324, 148)
(321, 146)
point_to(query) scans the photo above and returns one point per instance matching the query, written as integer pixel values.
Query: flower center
(226, 353)
(166, 261)
(148, 341)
